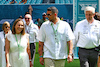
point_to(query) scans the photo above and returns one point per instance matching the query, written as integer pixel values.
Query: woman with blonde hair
(6, 30)
(17, 46)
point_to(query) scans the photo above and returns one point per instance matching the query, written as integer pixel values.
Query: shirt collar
(29, 23)
(56, 23)
(89, 23)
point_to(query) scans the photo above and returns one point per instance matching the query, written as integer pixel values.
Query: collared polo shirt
(87, 35)
(52, 49)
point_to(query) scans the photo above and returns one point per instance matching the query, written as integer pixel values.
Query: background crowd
(25, 1)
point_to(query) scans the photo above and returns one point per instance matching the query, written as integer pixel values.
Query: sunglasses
(48, 14)
(7, 27)
(27, 18)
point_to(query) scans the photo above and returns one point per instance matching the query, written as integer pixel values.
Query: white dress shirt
(87, 35)
(55, 47)
(32, 30)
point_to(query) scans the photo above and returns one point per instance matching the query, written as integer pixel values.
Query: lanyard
(18, 44)
(55, 31)
(17, 40)
(4, 38)
(4, 34)
(28, 28)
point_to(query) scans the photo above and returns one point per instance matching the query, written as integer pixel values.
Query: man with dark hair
(42, 20)
(54, 35)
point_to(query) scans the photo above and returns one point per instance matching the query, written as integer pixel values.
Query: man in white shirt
(32, 30)
(54, 35)
(87, 35)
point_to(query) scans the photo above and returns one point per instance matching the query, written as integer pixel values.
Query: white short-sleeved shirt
(32, 30)
(87, 35)
(52, 49)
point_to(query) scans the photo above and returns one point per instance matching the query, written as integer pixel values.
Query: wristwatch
(70, 54)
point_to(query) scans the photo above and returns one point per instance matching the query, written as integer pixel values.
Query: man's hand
(69, 59)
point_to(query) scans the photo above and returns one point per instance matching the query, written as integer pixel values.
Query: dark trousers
(88, 57)
(32, 49)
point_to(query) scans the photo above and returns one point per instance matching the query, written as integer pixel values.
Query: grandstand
(7, 2)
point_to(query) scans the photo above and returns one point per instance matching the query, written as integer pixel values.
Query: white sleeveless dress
(15, 59)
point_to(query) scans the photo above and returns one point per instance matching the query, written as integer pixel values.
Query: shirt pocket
(61, 35)
(85, 30)
(95, 32)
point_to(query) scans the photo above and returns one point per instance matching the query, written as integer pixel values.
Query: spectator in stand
(43, 19)
(6, 30)
(23, 1)
(12, 2)
(48, 1)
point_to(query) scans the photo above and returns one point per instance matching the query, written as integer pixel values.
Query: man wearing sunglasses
(42, 20)
(32, 30)
(54, 35)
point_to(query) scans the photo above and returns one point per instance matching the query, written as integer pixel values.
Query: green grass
(75, 62)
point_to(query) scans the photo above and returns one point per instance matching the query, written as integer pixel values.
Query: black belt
(96, 48)
(87, 48)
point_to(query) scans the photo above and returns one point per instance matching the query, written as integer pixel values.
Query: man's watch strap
(70, 54)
